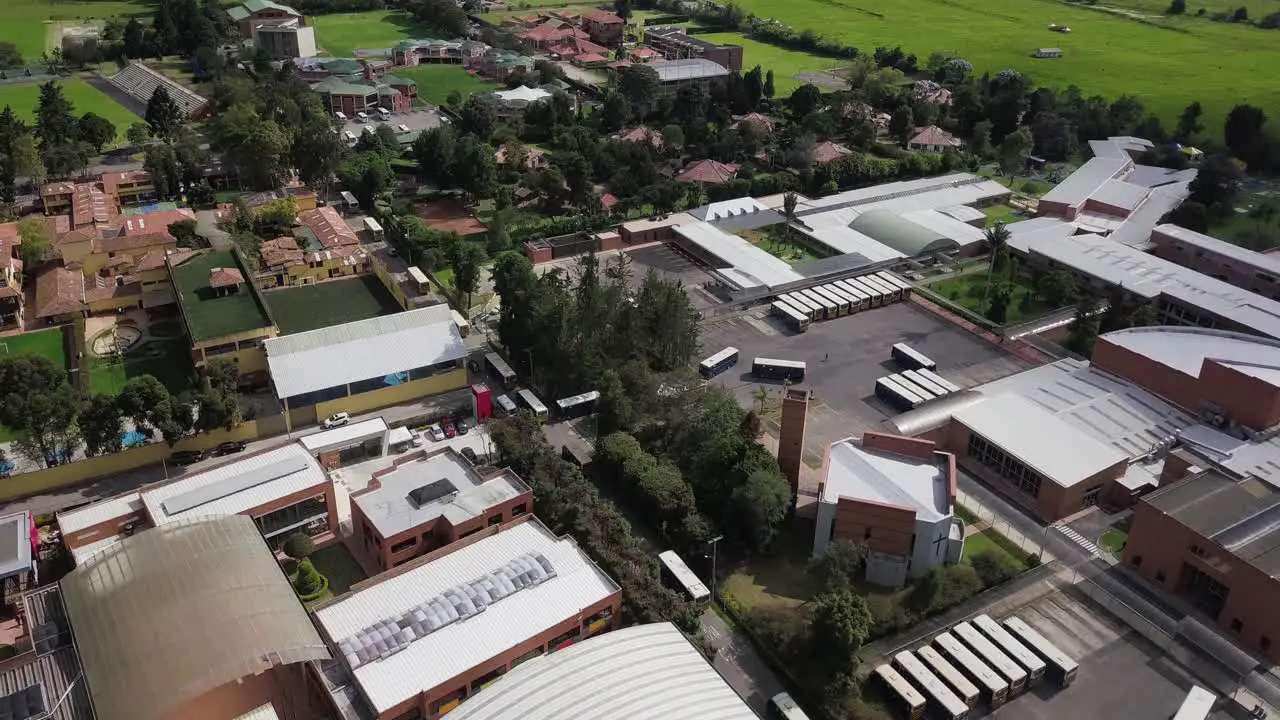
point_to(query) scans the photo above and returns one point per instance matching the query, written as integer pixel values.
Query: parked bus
(675, 572)
(937, 695)
(993, 687)
(719, 362)
(532, 403)
(846, 299)
(874, 294)
(898, 282)
(891, 292)
(909, 358)
(383, 114)
(896, 396)
(500, 368)
(1059, 666)
(801, 302)
(1197, 705)
(829, 308)
(1010, 646)
(796, 320)
(994, 656)
(959, 684)
(774, 369)
(920, 380)
(362, 117)
(939, 380)
(782, 707)
(860, 296)
(906, 700)
(842, 305)
(920, 390)
(578, 405)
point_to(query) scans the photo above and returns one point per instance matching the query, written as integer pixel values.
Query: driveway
(737, 661)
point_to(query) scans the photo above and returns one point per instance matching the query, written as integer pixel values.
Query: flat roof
(959, 188)
(265, 712)
(344, 436)
(1056, 449)
(1261, 261)
(81, 518)
(83, 553)
(457, 647)
(1185, 349)
(748, 265)
(389, 346)
(15, 543)
(1087, 180)
(1241, 516)
(208, 314)
(655, 223)
(237, 486)
(687, 69)
(1120, 194)
(457, 492)
(862, 473)
(643, 672)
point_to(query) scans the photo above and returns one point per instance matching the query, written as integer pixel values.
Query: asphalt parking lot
(416, 119)
(845, 357)
(670, 263)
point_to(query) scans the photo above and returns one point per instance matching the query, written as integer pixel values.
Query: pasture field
(23, 22)
(340, 35)
(786, 64)
(1165, 63)
(436, 82)
(496, 18)
(83, 96)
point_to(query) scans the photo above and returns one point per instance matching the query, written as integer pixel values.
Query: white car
(415, 438)
(336, 420)
(436, 433)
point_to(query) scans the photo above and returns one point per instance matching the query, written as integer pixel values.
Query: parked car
(470, 455)
(436, 433)
(415, 438)
(463, 426)
(186, 457)
(229, 447)
(336, 420)
(449, 429)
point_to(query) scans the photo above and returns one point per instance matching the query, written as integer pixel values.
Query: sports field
(83, 96)
(1166, 63)
(23, 22)
(300, 309)
(436, 82)
(42, 342)
(341, 35)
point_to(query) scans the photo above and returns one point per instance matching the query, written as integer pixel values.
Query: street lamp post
(715, 544)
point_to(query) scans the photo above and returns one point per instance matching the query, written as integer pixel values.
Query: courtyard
(132, 344)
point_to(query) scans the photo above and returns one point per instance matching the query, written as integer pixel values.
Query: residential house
(513, 103)
(550, 33)
(673, 43)
(930, 91)
(933, 139)
(642, 54)
(760, 124)
(825, 152)
(329, 229)
(500, 64)
(534, 158)
(132, 187)
(419, 52)
(575, 47)
(285, 264)
(59, 294)
(708, 172)
(641, 134)
(604, 27)
(97, 202)
(11, 300)
(223, 311)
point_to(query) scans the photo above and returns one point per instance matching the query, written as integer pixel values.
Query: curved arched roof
(178, 610)
(906, 237)
(933, 415)
(644, 672)
(1186, 348)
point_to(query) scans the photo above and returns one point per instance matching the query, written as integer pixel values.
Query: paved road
(737, 661)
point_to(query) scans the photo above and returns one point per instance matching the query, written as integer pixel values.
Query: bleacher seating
(140, 81)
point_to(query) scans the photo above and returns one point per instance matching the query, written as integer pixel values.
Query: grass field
(969, 291)
(436, 82)
(83, 96)
(785, 64)
(341, 35)
(989, 542)
(168, 361)
(1166, 63)
(43, 342)
(306, 308)
(23, 22)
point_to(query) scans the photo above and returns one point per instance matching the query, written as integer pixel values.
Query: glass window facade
(293, 517)
(1013, 471)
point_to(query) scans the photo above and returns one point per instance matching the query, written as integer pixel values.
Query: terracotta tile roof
(761, 122)
(100, 288)
(934, 135)
(154, 259)
(280, 252)
(157, 221)
(89, 204)
(59, 291)
(589, 58)
(120, 242)
(111, 182)
(709, 172)
(603, 17)
(58, 188)
(619, 64)
(348, 254)
(225, 277)
(10, 293)
(643, 52)
(60, 223)
(608, 200)
(640, 134)
(825, 152)
(9, 233)
(330, 229)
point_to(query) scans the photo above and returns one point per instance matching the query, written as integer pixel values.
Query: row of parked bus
(917, 384)
(523, 398)
(792, 371)
(839, 298)
(977, 661)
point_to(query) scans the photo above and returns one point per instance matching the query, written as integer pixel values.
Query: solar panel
(25, 704)
(430, 493)
(391, 635)
(250, 479)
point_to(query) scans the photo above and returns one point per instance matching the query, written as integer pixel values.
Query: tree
(760, 504)
(163, 115)
(434, 152)
(1243, 128)
(317, 151)
(1189, 124)
(1263, 214)
(1176, 7)
(298, 546)
(56, 128)
(36, 399)
(1057, 287)
(997, 239)
(138, 134)
(980, 139)
(478, 117)
(26, 158)
(367, 175)
(1191, 215)
(837, 568)
(1015, 148)
(994, 567)
(148, 403)
(805, 99)
(1216, 183)
(473, 168)
(10, 129)
(309, 581)
(640, 85)
(841, 623)
(753, 87)
(768, 84)
(96, 130)
(1083, 329)
(1241, 14)
(901, 123)
(467, 262)
(37, 243)
(134, 40)
(101, 425)
(10, 57)
(622, 8)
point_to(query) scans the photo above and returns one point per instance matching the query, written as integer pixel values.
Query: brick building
(675, 43)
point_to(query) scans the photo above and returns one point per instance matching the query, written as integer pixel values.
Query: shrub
(309, 583)
(298, 546)
(994, 567)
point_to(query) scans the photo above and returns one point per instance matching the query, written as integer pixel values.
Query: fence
(972, 511)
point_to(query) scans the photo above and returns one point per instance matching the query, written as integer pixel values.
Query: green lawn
(437, 82)
(209, 314)
(83, 96)
(336, 563)
(300, 309)
(168, 361)
(340, 35)
(24, 22)
(969, 291)
(990, 542)
(42, 342)
(1001, 213)
(1167, 63)
(767, 240)
(1114, 540)
(785, 64)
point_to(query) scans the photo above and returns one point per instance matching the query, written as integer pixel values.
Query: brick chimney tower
(795, 412)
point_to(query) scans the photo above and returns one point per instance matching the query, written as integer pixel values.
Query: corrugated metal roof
(60, 677)
(462, 645)
(362, 350)
(343, 436)
(266, 712)
(1260, 261)
(308, 475)
(1186, 348)
(1086, 180)
(645, 672)
(84, 552)
(754, 266)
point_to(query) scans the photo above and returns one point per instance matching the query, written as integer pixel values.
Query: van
(384, 114)
(349, 136)
(402, 128)
(340, 115)
(362, 117)
(506, 405)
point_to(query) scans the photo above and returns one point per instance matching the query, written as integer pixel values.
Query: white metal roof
(345, 436)
(857, 472)
(962, 233)
(361, 350)
(903, 188)
(266, 712)
(729, 208)
(832, 229)
(1186, 348)
(644, 672)
(1121, 194)
(523, 94)
(1086, 180)
(269, 469)
(1051, 446)
(687, 69)
(1261, 261)
(391, 510)
(748, 265)
(70, 521)
(456, 648)
(84, 552)
(963, 213)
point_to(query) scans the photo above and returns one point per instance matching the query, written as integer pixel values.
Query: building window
(469, 533)
(1021, 477)
(1137, 561)
(518, 510)
(1236, 625)
(404, 545)
(866, 534)
(1196, 550)
(414, 714)
(1206, 593)
(289, 518)
(495, 520)
(527, 656)
(1159, 576)
(1090, 497)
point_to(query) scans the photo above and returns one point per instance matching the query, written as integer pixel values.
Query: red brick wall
(883, 528)
(911, 447)
(1250, 401)
(537, 254)
(106, 529)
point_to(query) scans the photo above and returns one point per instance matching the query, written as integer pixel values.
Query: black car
(473, 366)
(463, 426)
(230, 446)
(470, 455)
(186, 457)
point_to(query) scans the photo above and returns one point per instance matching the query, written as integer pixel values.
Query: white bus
(896, 281)
(782, 707)
(891, 292)
(531, 402)
(775, 369)
(829, 308)
(796, 320)
(939, 380)
(849, 301)
(501, 369)
(674, 571)
(1197, 705)
(920, 380)
(906, 700)
(896, 396)
(989, 682)
(1011, 647)
(907, 383)
(874, 294)
(507, 405)
(718, 363)
(384, 114)
(578, 405)
(362, 117)
(959, 684)
(842, 305)
(908, 357)
(800, 302)
(945, 704)
(860, 296)
(994, 656)
(1060, 666)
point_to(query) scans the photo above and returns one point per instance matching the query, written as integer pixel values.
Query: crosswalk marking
(1079, 539)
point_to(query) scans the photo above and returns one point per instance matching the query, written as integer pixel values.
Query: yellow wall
(395, 394)
(56, 477)
(257, 334)
(75, 251)
(95, 261)
(114, 303)
(298, 274)
(389, 282)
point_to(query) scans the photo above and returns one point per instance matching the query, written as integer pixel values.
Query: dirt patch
(823, 80)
